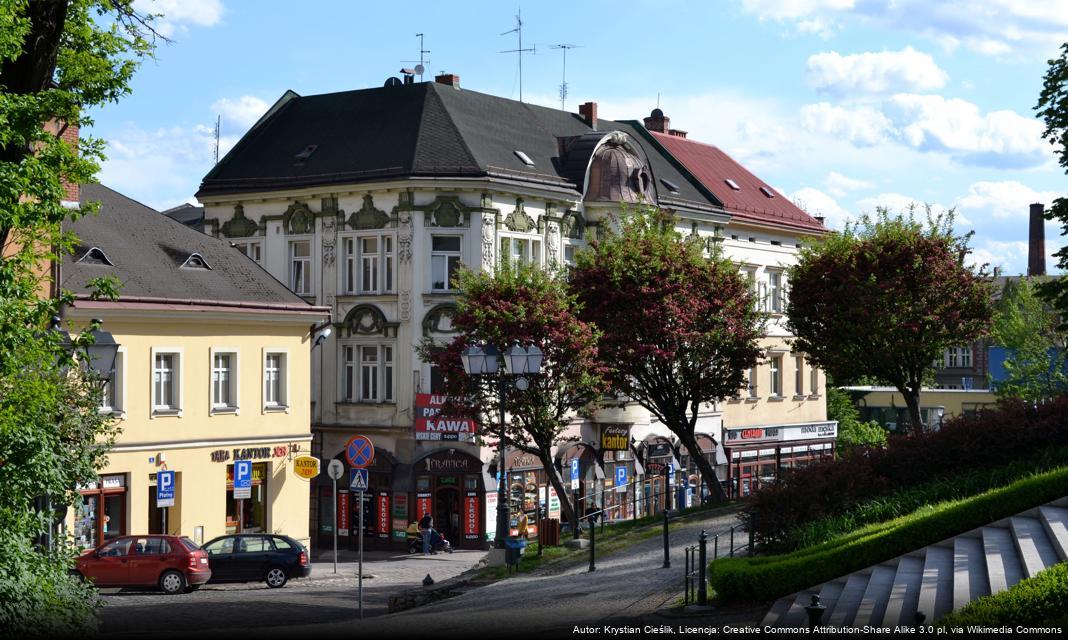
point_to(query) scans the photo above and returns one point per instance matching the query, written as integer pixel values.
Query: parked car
(251, 557)
(175, 564)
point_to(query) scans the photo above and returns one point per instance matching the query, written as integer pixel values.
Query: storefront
(661, 465)
(619, 488)
(760, 455)
(591, 474)
(379, 503)
(448, 484)
(102, 514)
(697, 490)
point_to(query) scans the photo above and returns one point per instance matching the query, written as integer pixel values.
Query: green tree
(57, 60)
(525, 305)
(852, 433)
(679, 329)
(1052, 107)
(1036, 367)
(884, 298)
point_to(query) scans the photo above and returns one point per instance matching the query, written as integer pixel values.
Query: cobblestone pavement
(322, 597)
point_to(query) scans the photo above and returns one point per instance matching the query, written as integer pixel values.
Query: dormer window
(195, 261)
(305, 154)
(767, 192)
(95, 256)
(671, 186)
(732, 184)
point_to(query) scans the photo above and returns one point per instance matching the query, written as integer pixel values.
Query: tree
(679, 329)
(884, 298)
(1036, 366)
(523, 304)
(852, 433)
(57, 60)
(1052, 107)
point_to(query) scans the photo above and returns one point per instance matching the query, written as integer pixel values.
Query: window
(274, 381)
(223, 381)
(521, 250)
(369, 264)
(300, 277)
(251, 249)
(814, 383)
(444, 261)
(799, 375)
(112, 400)
(776, 376)
(749, 274)
(774, 303)
(958, 357)
(437, 380)
(368, 373)
(166, 382)
(752, 382)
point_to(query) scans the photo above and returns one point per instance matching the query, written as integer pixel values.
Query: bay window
(368, 373)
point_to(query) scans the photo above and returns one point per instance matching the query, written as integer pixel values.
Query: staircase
(940, 578)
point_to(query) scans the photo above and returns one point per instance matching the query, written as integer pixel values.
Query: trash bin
(513, 550)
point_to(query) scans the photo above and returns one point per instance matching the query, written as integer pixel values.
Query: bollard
(687, 576)
(751, 526)
(541, 536)
(667, 552)
(715, 547)
(702, 558)
(593, 546)
(815, 612)
(732, 542)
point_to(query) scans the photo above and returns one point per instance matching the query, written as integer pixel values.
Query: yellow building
(886, 405)
(213, 367)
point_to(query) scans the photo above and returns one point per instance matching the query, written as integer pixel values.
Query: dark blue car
(252, 557)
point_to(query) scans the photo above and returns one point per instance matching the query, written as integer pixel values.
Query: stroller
(415, 540)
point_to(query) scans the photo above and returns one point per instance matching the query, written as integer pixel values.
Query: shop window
(444, 261)
(101, 515)
(166, 382)
(248, 515)
(275, 389)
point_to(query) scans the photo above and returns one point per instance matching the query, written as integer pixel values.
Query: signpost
(621, 479)
(361, 454)
(242, 488)
(574, 474)
(335, 470)
(164, 493)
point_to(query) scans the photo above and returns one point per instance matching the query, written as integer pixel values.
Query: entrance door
(447, 514)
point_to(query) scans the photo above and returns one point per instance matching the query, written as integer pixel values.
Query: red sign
(360, 452)
(383, 515)
(752, 434)
(428, 426)
(423, 506)
(343, 513)
(471, 510)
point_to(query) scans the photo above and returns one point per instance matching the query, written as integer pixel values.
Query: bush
(1038, 601)
(770, 577)
(963, 444)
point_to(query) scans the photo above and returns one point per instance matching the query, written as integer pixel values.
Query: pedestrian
(426, 529)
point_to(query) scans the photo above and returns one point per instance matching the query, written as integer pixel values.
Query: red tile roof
(713, 168)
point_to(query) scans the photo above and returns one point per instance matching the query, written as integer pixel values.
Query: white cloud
(1005, 199)
(793, 9)
(1009, 257)
(899, 203)
(863, 125)
(818, 203)
(907, 70)
(240, 113)
(177, 15)
(839, 185)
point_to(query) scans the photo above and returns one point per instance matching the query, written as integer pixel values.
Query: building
(886, 405)
(213, 367)
(368, 202)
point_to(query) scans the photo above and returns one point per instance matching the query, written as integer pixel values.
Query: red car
(175, 564)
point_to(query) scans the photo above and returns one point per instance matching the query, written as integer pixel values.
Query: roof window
(306, 153)
(95, 256)
(768, 192)
(732, 184)
(195, 261)
(524, 157)
(671, 186)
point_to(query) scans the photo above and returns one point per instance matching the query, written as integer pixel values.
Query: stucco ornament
(329, 240)
(553, 243)
(239, 226)
(489, 226)
(404, 237)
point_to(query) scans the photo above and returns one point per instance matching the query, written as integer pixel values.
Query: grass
(1035, 602)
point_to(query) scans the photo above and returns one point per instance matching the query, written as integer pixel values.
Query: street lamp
(482, 360)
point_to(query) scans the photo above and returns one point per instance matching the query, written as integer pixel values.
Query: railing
(695, 578)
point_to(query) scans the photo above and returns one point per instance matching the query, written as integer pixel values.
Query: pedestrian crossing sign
(358, 480)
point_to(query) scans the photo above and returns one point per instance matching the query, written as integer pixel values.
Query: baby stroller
(437, 541)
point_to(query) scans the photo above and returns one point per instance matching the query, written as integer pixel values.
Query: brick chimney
(658, 122)
(67, 133)
(1036, 241)
(588, 111)
(450, 79)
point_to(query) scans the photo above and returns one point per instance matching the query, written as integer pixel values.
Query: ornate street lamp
(482, 360)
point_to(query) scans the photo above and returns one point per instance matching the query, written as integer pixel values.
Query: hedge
(1035, 602)
(770, 577)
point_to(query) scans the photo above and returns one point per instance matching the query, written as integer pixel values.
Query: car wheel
(172, 582)
(276, 577)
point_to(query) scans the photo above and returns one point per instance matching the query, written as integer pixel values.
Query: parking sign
(164, 489)
(621, 479)
(242, 479)
(575, 474)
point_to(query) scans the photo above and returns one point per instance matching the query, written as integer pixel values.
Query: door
(221, 559)
(447, 516)
(252, 557)
(110, 565)
(147, 559)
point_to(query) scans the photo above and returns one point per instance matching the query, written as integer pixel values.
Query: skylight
(768, 192)
(672, 187)
(524, 157)
(306, 153)
(195, 261)
(95, 256)
(732, 184)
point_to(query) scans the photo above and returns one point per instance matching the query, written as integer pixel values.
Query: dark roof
(147, 251)
(188, 215)
(422, 129)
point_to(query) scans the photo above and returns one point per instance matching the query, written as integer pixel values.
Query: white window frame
(751, 386)
(176, 379)
(235, 387)
(958, 357)
(574, 246)
(309, 262)
(459, 255)
(351, 264)
(283, 402)
(749, 273)
(250, 247)
(814, 382)
(775, 299)
(799, 375)
(775, 364)
(354, 371)
(533, 243)
(117, 386)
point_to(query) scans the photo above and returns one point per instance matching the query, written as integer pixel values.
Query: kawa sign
(429, 425)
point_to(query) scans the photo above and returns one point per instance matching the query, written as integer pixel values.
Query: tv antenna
(423, 60)
(520, 51)
(218, 122)
(563, 80)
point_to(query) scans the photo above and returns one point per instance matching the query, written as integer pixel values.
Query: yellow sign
(306, 467)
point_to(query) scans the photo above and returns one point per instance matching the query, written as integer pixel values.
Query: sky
(841, 105)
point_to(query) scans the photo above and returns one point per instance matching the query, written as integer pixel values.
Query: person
(522, 526)
(426, 528)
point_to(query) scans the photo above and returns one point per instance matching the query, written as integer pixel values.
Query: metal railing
(695, 576)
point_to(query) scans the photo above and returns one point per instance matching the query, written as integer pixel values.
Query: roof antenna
(520, 51)
(218, 121)
(657, 99)
(423, 61)
(563, 82)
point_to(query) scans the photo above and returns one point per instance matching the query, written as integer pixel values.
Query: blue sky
(842, 105)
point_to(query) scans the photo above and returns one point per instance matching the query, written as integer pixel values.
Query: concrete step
(936, 588)
(796, 616)
(970, 580)
(777, 611)
(905, 592)
(1003, 566)
(1055, 522)
(829, 593)
(873, 604)
(846, 606)
(1036, 550)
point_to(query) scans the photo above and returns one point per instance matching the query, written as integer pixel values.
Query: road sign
(360, 452)
(335, 469)
(575, 474)
(671, 473)
(358, 480)
(164, 489)
(306, 467)
(621, 479)
(242, 479)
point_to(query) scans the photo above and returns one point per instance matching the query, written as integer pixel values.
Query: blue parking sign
(242, 479)
(575, 474)
(164, 489)
(621, 476)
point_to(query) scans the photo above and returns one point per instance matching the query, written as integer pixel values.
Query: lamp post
(483, 360)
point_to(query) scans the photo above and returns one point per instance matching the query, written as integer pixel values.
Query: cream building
(212, 367)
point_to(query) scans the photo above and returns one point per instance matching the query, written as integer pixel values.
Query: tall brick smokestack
(1036, 241)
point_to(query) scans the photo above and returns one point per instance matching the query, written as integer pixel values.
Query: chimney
(588, 111)
(450, 79)
(678, 133)
(658, 122)
(67, 133)
(820, 219)
(1036, 241)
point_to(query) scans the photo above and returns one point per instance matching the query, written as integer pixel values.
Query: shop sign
(423, 505)
(430, 426)
(445, 463)
(523, 460)
(816, 431)
(491, 514)
(471, 505)
(658, 450)
(306, 467)
(249, 453)
(383, 515)
(615, 437)
(400, 516)
(113, 482)
(343, 513)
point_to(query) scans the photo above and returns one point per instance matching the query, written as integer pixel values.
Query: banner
(343, 513)
(615, 437)
(428, 426)
(423, 505)
(471, 509)
(383, 515)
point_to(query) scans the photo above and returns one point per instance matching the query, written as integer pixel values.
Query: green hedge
(770, 577)
(1035, 602)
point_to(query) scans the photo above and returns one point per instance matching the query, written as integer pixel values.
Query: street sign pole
(335, 526)
(334, 471)
(165, 520)
(359, 588)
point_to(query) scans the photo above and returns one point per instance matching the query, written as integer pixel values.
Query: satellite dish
(419, 69)
(393, 82)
